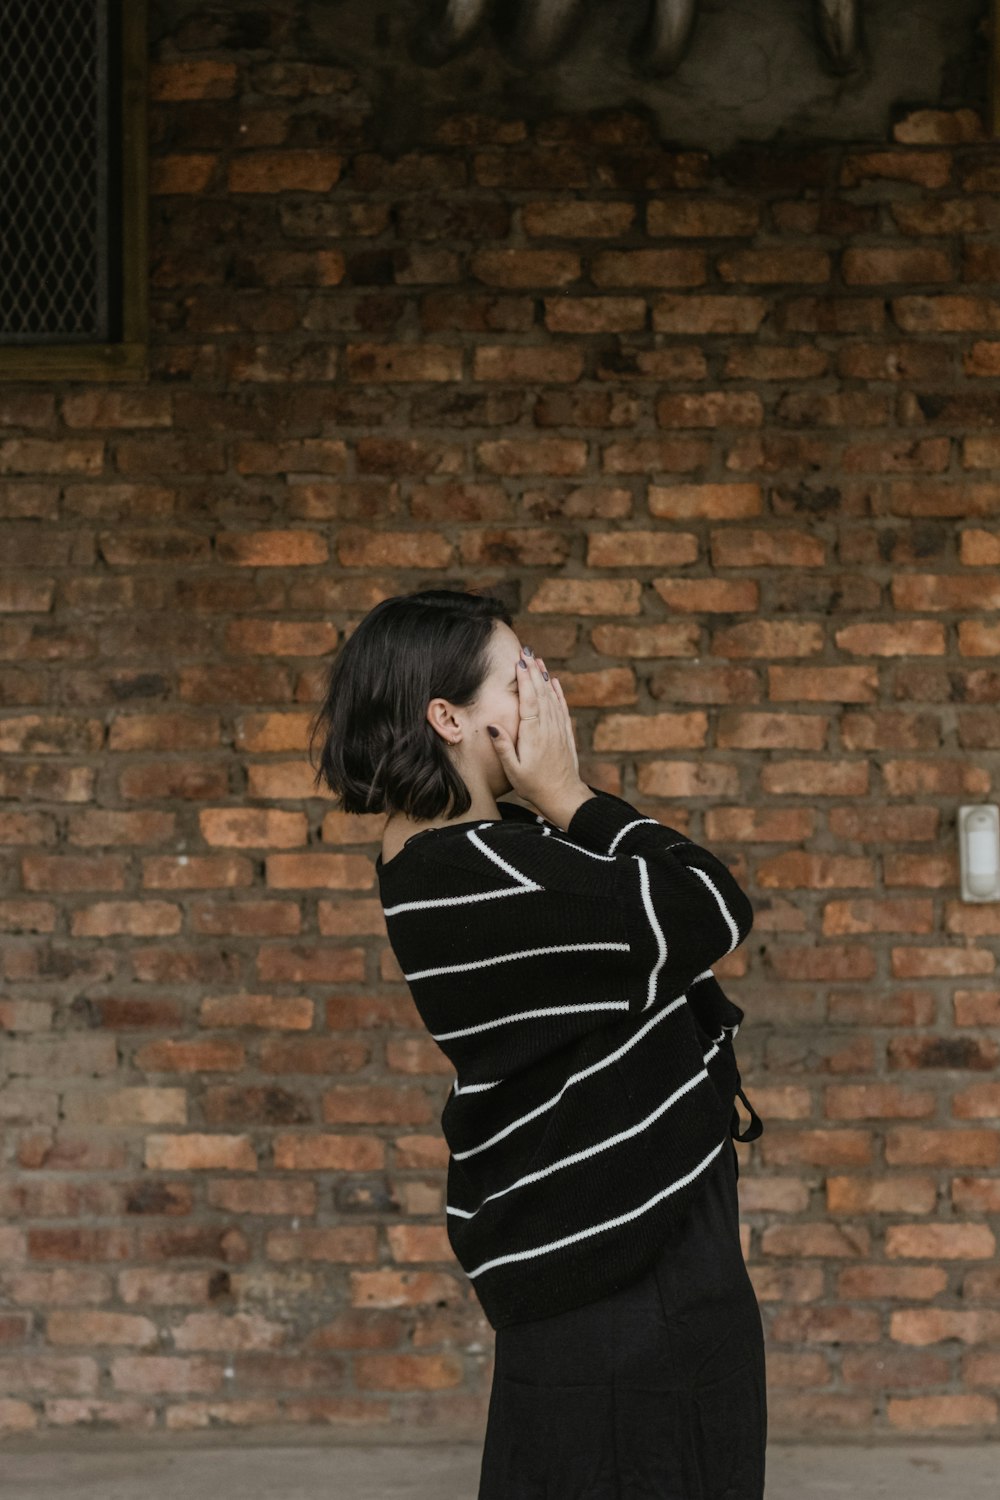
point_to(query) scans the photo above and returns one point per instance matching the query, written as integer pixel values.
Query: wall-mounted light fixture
(979, 851)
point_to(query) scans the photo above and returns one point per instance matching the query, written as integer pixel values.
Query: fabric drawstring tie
(756, 1125)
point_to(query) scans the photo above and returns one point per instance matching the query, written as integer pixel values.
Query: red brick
(27, 596)
(287, 780)
(708, 314)
(877, 265)
(826, 1325)
(293, 1012)
(947, 1147)
(710, 409)
(932, 127)
(931, 1325)
(47, 783)
(273, 731)
(27, 828)
(922, 1414)
(246, 918)
(930, 169)
(574, 219)
(305, 963)
(951, 1241)
(101, 827)
(823, 1239)
(42, 872)
(285, 171)
(30, 734)
(146, 918)
(592, 315)
(167, 731)
(281, 638)
(328, 1152)
(216, 685)
(271, 549)
(198, 1152)
(896, 1194)
(252, 827)
(648, 268)
(529, 268)
(878, 1283)
(185, 780)
(186, 872)
(138, 547)
(774, 265)
(27, 917)
(190, 1055)
(193, 78)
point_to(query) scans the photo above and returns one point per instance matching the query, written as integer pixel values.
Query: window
(73, 189)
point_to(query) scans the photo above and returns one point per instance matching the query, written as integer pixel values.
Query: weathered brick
(197, 872)
(252, 827)
(875, 265)
(102, 827)
(28, 596)
(180, 731)
(271, 549)
(648, 268)
(147, 918)
(708, 314)
(281, 638)
(185, 780)
(530, 268)
(285, 171)
(574, 219)
(199, 1152)
(64, 873)
(774, 265)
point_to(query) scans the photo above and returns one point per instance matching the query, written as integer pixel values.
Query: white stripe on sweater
(703, 875)
(569, 1239)
(499, 958)
(607, 1061)
(458, 1087)
(589, 1151)
(527, 890)
(530, 1015)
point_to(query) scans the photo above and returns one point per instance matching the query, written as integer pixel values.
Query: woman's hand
(544, 761)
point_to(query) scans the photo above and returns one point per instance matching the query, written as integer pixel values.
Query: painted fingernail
(523, 664)
(546, 676)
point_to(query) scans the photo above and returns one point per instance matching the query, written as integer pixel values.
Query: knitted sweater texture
(567, 978)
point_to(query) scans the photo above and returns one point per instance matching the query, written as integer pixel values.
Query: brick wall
(724, 433)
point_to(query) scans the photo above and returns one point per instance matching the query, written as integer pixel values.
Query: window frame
(127, 358)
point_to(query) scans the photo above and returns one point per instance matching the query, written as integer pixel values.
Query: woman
(558, 948)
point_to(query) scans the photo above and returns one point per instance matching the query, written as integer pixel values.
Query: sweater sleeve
(556, 934)
(680, 902)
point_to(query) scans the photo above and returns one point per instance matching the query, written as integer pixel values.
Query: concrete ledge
(328, 1466)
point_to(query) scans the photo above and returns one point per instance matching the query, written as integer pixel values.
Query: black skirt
(656, 1392)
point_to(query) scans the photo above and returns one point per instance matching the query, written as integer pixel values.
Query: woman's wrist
(559, 808)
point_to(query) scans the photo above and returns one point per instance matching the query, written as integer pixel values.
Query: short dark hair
(380, 753)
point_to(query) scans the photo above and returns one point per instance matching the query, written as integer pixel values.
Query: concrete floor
(212, 1466)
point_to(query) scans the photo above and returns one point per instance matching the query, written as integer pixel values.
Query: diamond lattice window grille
(74, 193)
(60, 172)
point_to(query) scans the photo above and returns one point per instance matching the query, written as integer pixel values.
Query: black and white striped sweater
(567, 978)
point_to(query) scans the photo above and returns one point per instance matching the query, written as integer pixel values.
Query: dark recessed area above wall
(756, 70)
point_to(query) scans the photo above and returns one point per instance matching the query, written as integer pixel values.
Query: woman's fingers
(563, 707)
(567, 720)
